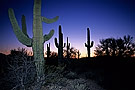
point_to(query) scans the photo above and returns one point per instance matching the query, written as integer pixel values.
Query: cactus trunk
(68, 46)
(88, 45)
(38, 45)
(88, 38)
(60, 51)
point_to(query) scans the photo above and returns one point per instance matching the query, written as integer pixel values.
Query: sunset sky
(105, 18)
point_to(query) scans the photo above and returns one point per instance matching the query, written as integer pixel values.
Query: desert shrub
(22, 70)
(122, 47)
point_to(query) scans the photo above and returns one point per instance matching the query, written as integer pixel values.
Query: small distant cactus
(38, 40)
(68, 47)
(88, 45)
(60, 46)
(48, 51)
(78, 53)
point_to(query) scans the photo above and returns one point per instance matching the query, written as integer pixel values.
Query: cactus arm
(49, 45)
(56, 43)
(48, 36)
(46, 20)
(86, 45)
(19, 34)
(69, 45)
(92, 43)
(24, 28)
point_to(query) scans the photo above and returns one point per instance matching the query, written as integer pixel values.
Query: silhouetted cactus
(48, 51)
(88, 45)
(68, 47)
(78, 53)
(38, 40)
(60, 45)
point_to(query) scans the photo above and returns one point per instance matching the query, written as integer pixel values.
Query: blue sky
(105, 18)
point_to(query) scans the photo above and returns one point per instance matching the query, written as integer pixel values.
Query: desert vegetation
(122, 47)
(111, 69)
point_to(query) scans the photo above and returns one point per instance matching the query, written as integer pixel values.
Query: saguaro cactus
(48, 51)
(68, 46)
(38, 40)
(60, 45)
(88, 45)
(78, 53)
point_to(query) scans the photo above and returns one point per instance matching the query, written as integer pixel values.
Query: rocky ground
(75, 84)
(59, 79)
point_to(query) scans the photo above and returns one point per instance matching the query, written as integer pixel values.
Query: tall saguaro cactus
(68, 46)
(88, 45)
(38, 40)
(60, 45)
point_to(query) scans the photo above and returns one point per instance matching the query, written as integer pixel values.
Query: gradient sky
(105, 18)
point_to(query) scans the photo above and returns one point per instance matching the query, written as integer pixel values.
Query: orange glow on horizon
(83, 52)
